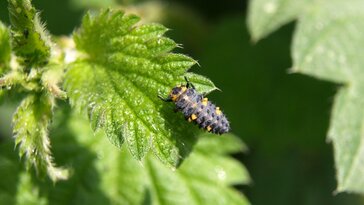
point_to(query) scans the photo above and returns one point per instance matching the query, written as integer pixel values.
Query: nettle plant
(112, 68)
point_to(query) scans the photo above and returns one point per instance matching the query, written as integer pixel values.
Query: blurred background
(282, 117)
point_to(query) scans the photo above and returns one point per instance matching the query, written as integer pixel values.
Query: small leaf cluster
(30, 76)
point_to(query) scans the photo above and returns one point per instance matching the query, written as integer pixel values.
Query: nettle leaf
(210, 184)
(150, 182)
(30, 40)
(327, 44)
(103, 174)
(5, 50)
(30, 124)
(125, 68)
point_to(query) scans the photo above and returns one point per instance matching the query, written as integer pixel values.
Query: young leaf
(30, 124)
(30, 40)
(125, 68)
(327, 44)
(5, 50)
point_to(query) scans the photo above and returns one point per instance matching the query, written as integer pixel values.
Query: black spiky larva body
(196, 108)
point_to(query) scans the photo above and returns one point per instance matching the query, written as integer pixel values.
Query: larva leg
(168, 99)
(189, 83)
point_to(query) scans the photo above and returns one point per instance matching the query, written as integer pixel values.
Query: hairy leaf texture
(30, 40)
(30, 124)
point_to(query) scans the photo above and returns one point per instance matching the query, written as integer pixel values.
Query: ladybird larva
(198, 109)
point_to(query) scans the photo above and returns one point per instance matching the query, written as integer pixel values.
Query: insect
(197, 108)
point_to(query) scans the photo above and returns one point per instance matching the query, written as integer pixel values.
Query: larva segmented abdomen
(205, 114)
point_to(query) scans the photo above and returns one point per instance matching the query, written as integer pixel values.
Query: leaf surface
(103, 174)
(126, 67)
(266, 16)
(131, 182)
(204, 178)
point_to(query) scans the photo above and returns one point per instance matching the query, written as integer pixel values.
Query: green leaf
(266, 16)
(125, 68)
(152, 182)
(30, 124)
(327, 44)
(30, 40)
(102, 174)
(5, 50)
(209, 185)
(127, 181)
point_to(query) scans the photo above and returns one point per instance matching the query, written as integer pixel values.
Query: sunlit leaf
(125, 68)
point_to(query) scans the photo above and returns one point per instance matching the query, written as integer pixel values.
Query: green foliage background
(282, 117)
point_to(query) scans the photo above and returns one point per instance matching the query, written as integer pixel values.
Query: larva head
(176, 92)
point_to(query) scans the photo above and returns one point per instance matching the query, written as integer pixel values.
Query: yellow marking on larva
(193, 117)
(208, 128)
(174, 98)
(204, 101)
(183, 89)
(189, 119)
(218, 111)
